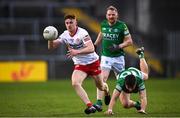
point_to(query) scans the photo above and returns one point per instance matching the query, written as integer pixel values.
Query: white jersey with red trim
(77, 42)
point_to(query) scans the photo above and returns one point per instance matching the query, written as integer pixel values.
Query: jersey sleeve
(141, 85)
(62, 38)
(126, 30)
(119, 84)
(119, 88)
(84, 36)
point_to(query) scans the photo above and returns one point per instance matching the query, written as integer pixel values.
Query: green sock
(99, 102)
(137, 104)
(141, 55)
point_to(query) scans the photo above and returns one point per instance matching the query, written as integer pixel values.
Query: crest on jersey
(77, 41)
(116, 30)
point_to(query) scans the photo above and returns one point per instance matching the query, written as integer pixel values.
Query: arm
(53, 44)
(127, 42)
(98, 40)
(88, 48)
(143, 99)
(115, 95)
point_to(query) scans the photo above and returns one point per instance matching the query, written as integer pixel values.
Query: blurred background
(24, 56)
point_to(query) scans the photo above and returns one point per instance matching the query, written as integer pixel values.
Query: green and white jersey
(113, 35)
(120, 86)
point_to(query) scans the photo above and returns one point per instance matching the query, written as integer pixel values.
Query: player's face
(111, 16)
(71, 25)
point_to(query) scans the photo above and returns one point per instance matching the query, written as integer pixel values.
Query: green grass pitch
(58, 99)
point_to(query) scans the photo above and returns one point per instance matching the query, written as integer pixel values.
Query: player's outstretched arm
(143, 99)
(115, 95)
(53, 44)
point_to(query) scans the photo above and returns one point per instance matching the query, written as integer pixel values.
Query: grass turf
(58, 99)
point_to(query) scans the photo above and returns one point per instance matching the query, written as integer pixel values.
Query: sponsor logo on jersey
(109, 36)
(116, 30)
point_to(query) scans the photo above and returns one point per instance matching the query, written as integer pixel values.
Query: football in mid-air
(50, 33)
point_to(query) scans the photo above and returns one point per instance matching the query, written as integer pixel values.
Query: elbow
(130, 42)
(92, 49)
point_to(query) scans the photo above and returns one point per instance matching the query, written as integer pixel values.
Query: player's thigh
(105, 74)
(118, 64)
(78, 76)
(124, 98)
(106, 62)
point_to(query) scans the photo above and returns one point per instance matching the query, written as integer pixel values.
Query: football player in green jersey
(129, 81)
(114, 36)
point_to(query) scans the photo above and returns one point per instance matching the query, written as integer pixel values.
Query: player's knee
(76, 84)
(125, 105)
(105, 77)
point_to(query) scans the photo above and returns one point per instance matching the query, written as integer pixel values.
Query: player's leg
(77, 79)
(100, 94)
(105, 71)
(102, 87)
(143, 63)
(126, 101)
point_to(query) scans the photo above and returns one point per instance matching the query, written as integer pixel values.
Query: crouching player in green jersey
(129, 81)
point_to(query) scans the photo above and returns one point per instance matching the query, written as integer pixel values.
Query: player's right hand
(109, 112)
(114, 48)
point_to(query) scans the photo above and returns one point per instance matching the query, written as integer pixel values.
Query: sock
(141, 55)
(137, 104)
(99, 102)
(89, 104)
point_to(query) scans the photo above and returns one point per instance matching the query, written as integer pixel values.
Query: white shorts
(117, 64)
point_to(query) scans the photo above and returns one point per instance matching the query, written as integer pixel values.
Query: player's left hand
(113, 48)
(142, 111)
(72, 52)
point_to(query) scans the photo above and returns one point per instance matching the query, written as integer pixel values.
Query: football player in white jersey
(86, 61)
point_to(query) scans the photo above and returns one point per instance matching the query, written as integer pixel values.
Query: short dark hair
(130, 80)
(69, 16)
(112, 8)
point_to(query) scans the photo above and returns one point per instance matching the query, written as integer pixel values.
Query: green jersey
(120, 86)
(113, 35)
